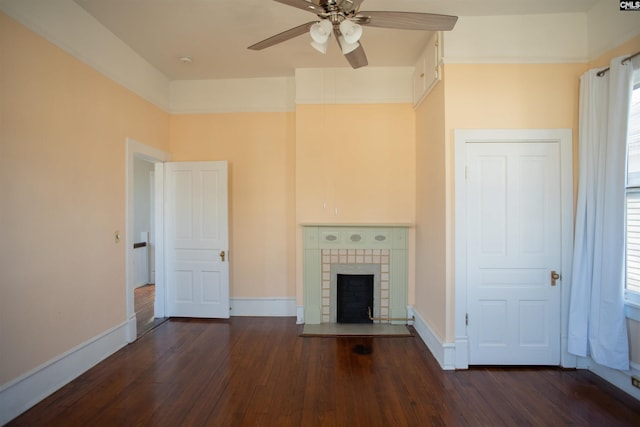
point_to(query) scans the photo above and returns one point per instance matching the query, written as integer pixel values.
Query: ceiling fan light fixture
(348, 47)
(320, 47)
(351, 31)
(320, 31)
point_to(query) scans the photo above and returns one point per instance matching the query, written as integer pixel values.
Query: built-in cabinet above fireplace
(376, 250)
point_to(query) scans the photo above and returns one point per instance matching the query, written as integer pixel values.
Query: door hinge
(466, 173)
(466, 319)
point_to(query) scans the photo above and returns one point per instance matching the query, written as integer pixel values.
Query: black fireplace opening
(354, 298)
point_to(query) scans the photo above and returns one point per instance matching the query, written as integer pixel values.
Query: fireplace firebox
(354, 298)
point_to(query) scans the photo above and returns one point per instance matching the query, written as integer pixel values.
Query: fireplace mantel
(358, 225)
(355, 244)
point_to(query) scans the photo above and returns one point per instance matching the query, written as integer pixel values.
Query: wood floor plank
(260, 372)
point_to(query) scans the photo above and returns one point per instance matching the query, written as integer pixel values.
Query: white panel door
(514, 245)
(196, 235)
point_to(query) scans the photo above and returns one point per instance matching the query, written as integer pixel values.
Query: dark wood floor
(144, 300)
(260, 372)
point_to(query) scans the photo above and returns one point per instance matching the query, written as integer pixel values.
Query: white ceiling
(216, 33)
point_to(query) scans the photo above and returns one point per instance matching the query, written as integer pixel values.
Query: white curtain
(597, 325)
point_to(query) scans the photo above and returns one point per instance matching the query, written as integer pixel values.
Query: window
(633, 198)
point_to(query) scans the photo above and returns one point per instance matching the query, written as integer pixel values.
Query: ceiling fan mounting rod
(336, 17)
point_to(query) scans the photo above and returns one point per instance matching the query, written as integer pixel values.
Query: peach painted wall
(431, 213)
(512, 96)
(503, 96)
(260, 149)
(63, 128)
(355, 164)
(357, 159)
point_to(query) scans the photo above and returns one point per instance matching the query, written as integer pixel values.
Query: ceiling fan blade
(283, 36)
(307, 5)
(357, 58)
(407, 20)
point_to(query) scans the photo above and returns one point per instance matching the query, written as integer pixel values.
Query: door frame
(462, 137)
(135, 149)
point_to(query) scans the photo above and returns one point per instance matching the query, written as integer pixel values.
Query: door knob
(555, 276)
(222, 256)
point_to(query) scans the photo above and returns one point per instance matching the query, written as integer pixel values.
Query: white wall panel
(273, 94)
(368, 85)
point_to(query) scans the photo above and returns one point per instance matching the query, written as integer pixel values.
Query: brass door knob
(555, 276)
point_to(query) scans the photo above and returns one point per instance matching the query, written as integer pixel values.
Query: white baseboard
(410, 315)
(462, 352)
(444, 353)
(25, 391)
(269, 307)
(620, 379)
(300, 314)
(132, 328)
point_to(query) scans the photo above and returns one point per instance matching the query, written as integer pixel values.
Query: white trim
(300, 314)
(443, 352)
(632, 310)
(462, 352)
(135, 149)
(460, 248)
(268, 307)
(582, 362)
(462, 137)
(27, 390)
(132, 326)
(159, 306)
(513, 60)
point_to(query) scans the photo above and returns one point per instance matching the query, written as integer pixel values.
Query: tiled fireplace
(380, 251)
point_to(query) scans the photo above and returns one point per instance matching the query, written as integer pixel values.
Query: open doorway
(145, 308)
(144, 246)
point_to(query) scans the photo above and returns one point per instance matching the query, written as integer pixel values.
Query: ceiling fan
(344, 19)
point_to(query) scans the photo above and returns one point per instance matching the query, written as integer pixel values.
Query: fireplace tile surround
(354, 261)
(380, 250)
